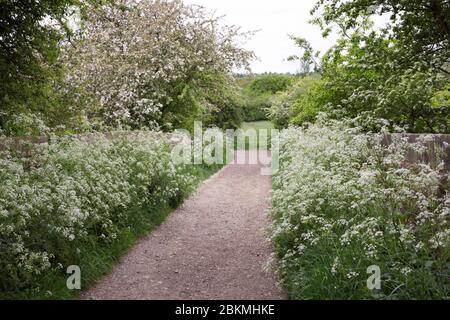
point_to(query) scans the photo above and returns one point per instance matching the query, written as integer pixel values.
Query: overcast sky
(275, 19)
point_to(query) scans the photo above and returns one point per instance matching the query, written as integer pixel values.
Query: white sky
(275, 19)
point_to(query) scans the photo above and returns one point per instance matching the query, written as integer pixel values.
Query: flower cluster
(346, 200)
(74, 191)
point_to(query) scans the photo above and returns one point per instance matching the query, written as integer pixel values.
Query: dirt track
(213, 247)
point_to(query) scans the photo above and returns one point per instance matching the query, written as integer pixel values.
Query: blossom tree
(151, 64)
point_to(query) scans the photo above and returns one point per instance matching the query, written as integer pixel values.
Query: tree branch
(436, 9)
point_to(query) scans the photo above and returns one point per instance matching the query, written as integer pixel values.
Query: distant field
(259, 125)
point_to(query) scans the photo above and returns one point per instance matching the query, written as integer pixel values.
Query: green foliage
(441, 101)
(368, 81)
(315, 100)
(271, 83)
(370, 77)
(285, 105)
(32, 93)
(344, 201)
(257, 92)
(224, 105)
(26, 43)
(256, 106)
(422, 27)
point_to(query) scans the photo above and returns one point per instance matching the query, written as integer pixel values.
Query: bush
(75, 200)
(285, 105)
(271, 83)
(256, 107)
(258, 92)
(343, 202)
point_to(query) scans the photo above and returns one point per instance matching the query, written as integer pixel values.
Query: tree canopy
(395, 76)
(30, 37)
(74, 65)
(420, 26)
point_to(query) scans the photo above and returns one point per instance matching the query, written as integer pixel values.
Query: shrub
(271, 83)
(258, 92)
(224, 106)
(256, 107)
(344, 201)
(286, 104)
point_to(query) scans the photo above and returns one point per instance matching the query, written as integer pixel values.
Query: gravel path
(213, 247)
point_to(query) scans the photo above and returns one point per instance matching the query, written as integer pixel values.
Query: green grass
(97, 260)
(258, 125)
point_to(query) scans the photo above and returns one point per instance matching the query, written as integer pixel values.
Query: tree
(30, 36)
(307, 58)
(363, 79)
(284, 104)
(152, 63)
(422, 27)
(375, 76)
